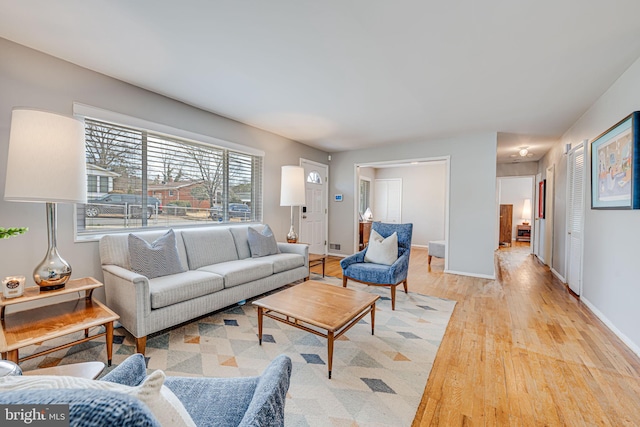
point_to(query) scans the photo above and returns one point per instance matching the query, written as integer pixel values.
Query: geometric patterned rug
(377, 380)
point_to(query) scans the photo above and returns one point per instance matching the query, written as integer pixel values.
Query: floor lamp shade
(292, 193)
(46, 163)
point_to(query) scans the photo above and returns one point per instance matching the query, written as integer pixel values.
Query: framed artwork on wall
(542, 191)
(615, 167)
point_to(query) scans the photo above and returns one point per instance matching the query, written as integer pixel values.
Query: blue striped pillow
(156, 259)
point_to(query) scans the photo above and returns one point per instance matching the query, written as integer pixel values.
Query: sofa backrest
(206, 246)
(197, 247)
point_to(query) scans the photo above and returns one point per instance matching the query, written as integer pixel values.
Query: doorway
(314, 215)
(420, 188)
(517, 191)
(575, 216)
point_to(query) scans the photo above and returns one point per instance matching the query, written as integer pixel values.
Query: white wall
(471, 200)
(32, 79)
(423, 199)
(513, 191)
(611, 244)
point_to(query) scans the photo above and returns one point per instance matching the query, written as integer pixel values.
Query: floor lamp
(46, 163)
(292, 193)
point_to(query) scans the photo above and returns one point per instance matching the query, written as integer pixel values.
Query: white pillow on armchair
(381, 250)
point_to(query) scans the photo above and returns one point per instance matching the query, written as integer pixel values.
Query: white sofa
(219, 272)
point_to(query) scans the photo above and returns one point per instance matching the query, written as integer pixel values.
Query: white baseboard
(633, 346)
(338, 255)
(464, 273)
(558, 275)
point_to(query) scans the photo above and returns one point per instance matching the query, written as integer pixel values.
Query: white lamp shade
(526, 210)
(292, 186)
(46, 161)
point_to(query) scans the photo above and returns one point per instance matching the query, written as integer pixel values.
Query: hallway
(521, 350)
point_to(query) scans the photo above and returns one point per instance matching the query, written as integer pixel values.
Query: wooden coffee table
(313, 304)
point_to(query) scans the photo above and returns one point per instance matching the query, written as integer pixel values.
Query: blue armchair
(248, 401)
(354, 267)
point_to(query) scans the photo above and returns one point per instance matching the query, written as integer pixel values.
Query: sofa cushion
(164, 405)
(114, 248)
(262, 243)
(240, 271)
(168, 290)
(209, 246)
(283, 262)
(156, 259)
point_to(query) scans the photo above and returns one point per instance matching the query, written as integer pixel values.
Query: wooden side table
(33, 326)
(317, 259)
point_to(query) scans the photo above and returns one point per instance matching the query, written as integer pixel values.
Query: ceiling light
(523, 152)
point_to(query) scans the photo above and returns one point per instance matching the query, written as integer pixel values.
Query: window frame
(83, 111)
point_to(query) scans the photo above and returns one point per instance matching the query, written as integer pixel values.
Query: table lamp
(46, 163)
(292, 193)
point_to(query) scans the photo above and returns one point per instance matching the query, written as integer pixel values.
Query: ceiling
(342, 75)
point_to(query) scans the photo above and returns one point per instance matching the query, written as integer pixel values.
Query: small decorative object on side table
(33, 326)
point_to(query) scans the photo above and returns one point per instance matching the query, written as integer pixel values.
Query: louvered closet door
(575, 206)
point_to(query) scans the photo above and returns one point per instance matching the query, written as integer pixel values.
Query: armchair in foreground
(355, 268)
(245, 401)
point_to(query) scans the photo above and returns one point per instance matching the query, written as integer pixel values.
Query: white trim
(558, 275)
(464, 273)
(337, 255)
(633, 346)
(123, 119)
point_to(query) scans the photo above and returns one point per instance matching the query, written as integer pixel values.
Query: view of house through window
(137, 178)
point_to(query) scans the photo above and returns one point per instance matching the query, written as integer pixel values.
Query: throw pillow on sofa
(156, 259)
(164, 405)
(381, 250)
(262, 243)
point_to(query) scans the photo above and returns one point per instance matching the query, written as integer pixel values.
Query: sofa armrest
(267, 405)
(128, 295)
(352, 259)
(400, 268)
(131, 372)
(295, 248)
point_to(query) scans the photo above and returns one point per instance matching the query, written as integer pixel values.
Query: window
(314, 177)
(164, 181)
(365, 191)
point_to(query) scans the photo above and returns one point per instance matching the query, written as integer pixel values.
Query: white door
(575, 217)
(388, 200)
(313, 220)
(548, 217)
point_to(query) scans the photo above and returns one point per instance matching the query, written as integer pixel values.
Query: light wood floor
(521, 350)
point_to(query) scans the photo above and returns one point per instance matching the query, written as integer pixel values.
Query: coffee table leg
(322, 267)
(330, 350)
(373, 317)
(260, 325)
(109, 327)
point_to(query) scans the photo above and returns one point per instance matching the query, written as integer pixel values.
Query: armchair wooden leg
(429, 260)
(344, 281)
(393, 297)
(406, 291)
(141, 344)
